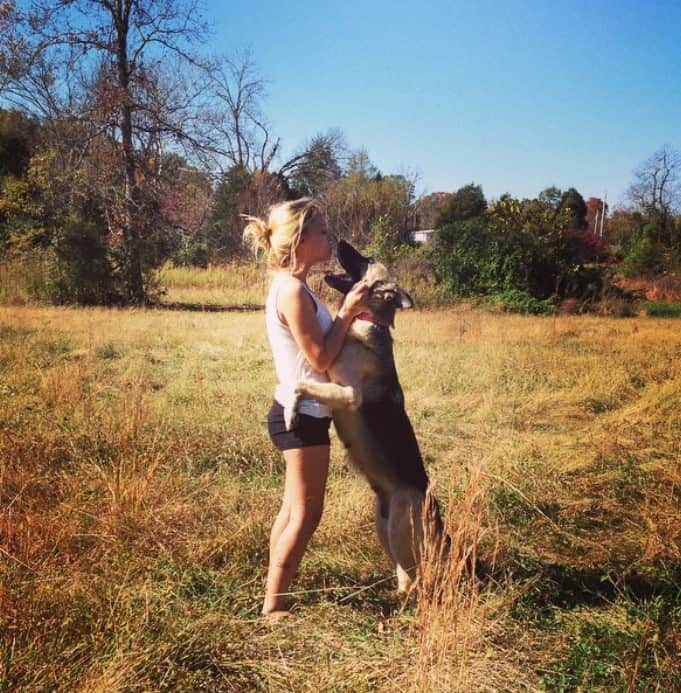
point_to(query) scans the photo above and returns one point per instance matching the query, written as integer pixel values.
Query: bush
(494, 255)
(385, 246)
(469, 258)
(82, 271)
(644, 253)
(663, 310)
(194, 254)
(515, 301)
(476, 257)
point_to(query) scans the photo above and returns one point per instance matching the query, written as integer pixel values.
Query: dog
(367, 404)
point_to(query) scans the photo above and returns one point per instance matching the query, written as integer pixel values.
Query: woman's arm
(296, 307)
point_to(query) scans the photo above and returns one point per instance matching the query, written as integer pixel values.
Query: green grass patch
(662, 310)
(514, 301)
(627, 647)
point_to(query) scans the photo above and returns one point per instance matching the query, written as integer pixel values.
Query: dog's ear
(353, 262)
(340, 282)
(404, 298)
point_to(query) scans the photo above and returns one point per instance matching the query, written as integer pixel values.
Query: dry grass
(137, 486)
(240, 284)
(666, 287)
(234, 284)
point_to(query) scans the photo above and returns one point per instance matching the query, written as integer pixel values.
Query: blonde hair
(281, 234)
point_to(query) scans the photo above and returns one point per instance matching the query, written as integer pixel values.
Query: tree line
(122, 146)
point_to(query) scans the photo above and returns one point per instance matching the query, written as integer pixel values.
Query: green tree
(517, 246)
(551, 197)
(17, 139)
(239, 191)
(467, 202)
(48, 211)
(572, 203)
(644, 254)
(319, 164)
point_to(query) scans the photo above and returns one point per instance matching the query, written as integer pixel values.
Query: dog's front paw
(291, 413)
(290, 417)
(354, 398)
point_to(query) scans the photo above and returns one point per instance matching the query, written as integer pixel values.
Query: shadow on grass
(548, 585)
(544, 586)
(209, 307)
(372, 592)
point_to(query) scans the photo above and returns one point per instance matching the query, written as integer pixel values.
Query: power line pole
(605, 204)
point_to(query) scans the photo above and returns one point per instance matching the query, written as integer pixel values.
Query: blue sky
(514, 96)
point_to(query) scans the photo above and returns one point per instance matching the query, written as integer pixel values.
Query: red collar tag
(370, 317)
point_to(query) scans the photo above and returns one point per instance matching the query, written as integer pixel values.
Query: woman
(305, 340)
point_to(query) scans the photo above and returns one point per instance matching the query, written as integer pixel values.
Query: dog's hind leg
(382, 514)
(405, 534)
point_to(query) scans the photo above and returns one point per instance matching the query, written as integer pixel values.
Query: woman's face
(317, 243)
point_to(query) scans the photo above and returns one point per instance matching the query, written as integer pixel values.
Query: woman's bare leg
(306, 473)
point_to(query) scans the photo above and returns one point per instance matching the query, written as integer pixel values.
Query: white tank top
(290, 363)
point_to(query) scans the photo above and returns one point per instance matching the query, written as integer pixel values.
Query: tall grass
(244, 283)
(138, 485)
(233, 284)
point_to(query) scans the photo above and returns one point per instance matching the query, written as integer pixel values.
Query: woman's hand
(355, 300)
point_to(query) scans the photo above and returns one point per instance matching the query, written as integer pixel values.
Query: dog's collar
(370, 317)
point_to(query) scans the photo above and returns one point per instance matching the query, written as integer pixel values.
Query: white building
(422, 235)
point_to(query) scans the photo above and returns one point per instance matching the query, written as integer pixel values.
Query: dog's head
(385, 295)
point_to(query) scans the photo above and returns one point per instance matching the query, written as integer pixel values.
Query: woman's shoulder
(293, 295)
(289, 287)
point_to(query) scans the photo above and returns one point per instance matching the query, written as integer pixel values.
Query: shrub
(83, 272)
(469, 258)
(476, 257)
(384, 246)
(644, 253)
(663, 310)
(499, 253)
(515, 301)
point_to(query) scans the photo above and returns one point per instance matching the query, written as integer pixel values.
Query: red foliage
(588, 248)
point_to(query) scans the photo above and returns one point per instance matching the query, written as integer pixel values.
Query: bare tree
(239, 90)
(9, 44)
(125, 70)
(656, 191)
(363, 202)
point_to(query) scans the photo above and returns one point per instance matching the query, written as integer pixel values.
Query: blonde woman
(305, 340)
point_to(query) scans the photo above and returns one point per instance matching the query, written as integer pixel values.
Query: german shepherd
(368, 412)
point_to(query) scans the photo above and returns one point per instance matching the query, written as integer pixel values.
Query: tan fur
(359, 374)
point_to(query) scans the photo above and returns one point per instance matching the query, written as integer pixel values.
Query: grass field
(138, 486)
